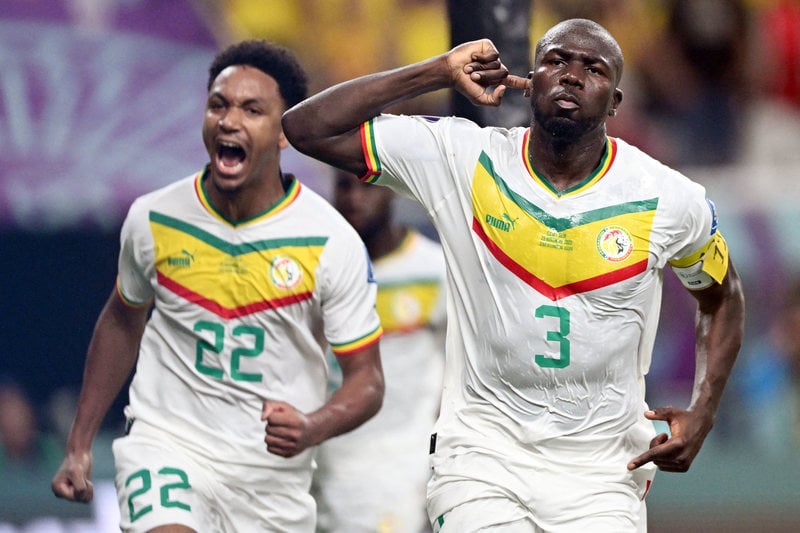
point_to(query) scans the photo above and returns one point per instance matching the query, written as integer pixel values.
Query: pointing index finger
(641, 460)
(517, 82)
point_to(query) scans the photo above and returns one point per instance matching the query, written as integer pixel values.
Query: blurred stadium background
(101, 100)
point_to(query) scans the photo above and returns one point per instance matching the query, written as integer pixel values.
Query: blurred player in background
(232, 284)
(373, 478)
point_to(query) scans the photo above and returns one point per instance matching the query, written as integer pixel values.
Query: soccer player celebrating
(232, 285)
(555, 236)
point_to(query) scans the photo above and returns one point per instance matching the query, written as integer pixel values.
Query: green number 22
(204, 347)
(145, 479)
(559, 336)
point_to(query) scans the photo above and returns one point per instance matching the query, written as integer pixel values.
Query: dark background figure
(694, 80)
(507, 24)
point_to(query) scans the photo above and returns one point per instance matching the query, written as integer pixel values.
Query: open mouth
(230, 155)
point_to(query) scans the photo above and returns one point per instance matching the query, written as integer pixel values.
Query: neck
(565, 162)
(246, 201)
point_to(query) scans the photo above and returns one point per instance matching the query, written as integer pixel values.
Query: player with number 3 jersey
(556, 237)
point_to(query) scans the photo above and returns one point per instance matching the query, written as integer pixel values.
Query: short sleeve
(135, 257)
(417, 156)
(349, 290)
(700, 226)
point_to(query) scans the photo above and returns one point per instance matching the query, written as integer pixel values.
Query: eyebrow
(587, 58)
(249, 101)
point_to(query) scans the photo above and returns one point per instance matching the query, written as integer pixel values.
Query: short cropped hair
(271, 59)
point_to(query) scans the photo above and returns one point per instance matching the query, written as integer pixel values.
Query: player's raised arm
(326, 125)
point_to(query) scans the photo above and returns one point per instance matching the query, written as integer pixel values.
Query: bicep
(344, 151)
(115, 344)
(121, 319)
(365, 362)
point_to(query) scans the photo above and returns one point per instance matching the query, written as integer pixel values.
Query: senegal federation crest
(285, 273)
(614, 244)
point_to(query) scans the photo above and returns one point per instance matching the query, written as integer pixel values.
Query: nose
(230, 119)
(572, 75)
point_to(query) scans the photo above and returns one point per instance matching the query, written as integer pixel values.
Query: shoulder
(429, 122)
(181, 189)
(319, 216)
(630, 154)
(314, 204)
(644, 167)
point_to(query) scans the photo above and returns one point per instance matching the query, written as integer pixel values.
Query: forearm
(326, 126)
(719, 332)
(345, 106)
(110, 360)
(358, 399)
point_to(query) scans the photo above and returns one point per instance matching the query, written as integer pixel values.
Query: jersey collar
(597, 174)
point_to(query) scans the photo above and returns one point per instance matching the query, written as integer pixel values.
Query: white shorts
(554, 489)
(160, 482)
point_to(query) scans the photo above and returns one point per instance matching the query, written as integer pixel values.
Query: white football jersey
(243, 313)
(553, 296)
(411, 306)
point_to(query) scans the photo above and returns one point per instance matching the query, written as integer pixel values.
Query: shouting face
(242, 128)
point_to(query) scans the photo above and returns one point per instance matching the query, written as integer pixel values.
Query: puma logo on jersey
(500, 224)
(182, 261)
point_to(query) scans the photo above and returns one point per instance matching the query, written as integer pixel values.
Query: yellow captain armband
(704, 267)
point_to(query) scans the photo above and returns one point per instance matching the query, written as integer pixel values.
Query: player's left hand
(287, 430)
(675, 453)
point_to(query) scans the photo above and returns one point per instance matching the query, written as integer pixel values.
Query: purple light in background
(176, 20)
(91, 118)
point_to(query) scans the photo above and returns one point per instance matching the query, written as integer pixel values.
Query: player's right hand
(73, 480)
(477, 72)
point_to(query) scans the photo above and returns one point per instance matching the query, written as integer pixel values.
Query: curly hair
(271, 59)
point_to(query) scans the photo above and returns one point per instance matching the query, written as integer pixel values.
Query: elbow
(378, 393)
(300, 132)
(292, 129)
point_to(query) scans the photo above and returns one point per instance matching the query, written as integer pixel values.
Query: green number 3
(559, 336)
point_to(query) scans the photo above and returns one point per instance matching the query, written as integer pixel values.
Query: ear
(617, 99)
(527, 92)
(283, 142)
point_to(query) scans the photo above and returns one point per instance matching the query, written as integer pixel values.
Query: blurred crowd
(698, 74)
